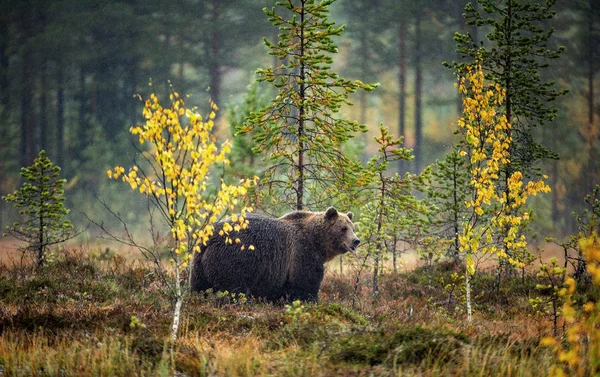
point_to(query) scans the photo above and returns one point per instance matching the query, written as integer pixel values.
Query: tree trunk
(455, 253)
(176, 317)
(462, 27)
(394, 255)
(556, 213)
(379, 227)
(82, 128)
(418, 151)
(4, 101)
(27, 114)
(4, 59)
(402, 88)
(376, 274)
(133, 88)
(214, 65)
(44, 105)
(60, 115)
(363, 93)
(594, 153)
(591, 63)
(40, 246)
(178, 304)
(300, 184)
(468, 295)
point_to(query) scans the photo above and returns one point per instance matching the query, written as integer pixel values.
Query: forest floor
(98, 314)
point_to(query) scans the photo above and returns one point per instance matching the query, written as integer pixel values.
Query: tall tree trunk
(462, 27)
(402, 88)
(44, 105)
(594, 155)
(379, 227)
(214, 65)
(556, 213)
(60, 115)
(418, 151)
(364, 52)
(508, 169)
(181, 64)
(300, 184)
(468, 296)
(133, 67)
(27, 113)
(82, 127)
(4, 60)
(590, 62)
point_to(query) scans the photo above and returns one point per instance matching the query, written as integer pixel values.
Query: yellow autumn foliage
(181, 152)
(486, 145)
(579, 353)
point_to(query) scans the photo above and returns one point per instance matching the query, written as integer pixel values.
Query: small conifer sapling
(40, 201)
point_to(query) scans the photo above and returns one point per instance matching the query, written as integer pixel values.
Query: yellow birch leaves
(486, 146)
(177, 172)
(578, 354)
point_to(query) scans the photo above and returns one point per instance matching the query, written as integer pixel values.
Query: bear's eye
(344, 229)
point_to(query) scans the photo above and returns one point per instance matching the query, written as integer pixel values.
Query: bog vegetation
(483, 298)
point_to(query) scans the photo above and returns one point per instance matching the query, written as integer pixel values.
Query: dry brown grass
(75, 318)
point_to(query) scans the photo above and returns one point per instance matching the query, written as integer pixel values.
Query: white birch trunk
(468, 294)
(178, 303)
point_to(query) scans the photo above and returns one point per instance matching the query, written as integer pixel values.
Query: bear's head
(340, 236)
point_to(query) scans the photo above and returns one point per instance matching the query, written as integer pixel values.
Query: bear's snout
(355, 242)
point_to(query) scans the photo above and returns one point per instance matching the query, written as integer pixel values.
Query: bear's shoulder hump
(297, 216)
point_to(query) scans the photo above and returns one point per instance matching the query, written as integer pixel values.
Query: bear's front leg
(304, 285)
(302, 294)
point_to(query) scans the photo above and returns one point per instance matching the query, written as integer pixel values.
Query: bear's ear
(331, 213)
(350, 215)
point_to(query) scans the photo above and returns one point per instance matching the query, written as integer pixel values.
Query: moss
(410, 345)
(149, 346)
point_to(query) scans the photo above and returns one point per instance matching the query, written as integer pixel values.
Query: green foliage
(449, 191)
(243, 160)
(518, 52)
(454, 286)
(389, 207)
(40, 202)
(301, 132)
(553, 286)
(588, 223)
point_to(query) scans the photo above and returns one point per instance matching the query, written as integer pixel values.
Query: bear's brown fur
(288, 257)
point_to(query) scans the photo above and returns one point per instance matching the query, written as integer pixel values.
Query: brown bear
(288, 257)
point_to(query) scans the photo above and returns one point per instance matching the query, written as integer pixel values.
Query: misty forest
(365, 187)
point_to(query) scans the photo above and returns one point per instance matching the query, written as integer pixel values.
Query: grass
(87, 317)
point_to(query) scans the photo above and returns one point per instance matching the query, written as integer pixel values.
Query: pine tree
(517, 54)
(449, 191)
(390, 210)
(41, 199)
(300, 130)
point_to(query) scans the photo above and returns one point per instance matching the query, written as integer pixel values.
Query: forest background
(71, 72)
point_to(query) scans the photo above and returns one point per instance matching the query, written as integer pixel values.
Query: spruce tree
(41, 202)
(449, 191)
(300, 130)
(517, 52)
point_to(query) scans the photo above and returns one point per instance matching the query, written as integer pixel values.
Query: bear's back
(260, 270)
